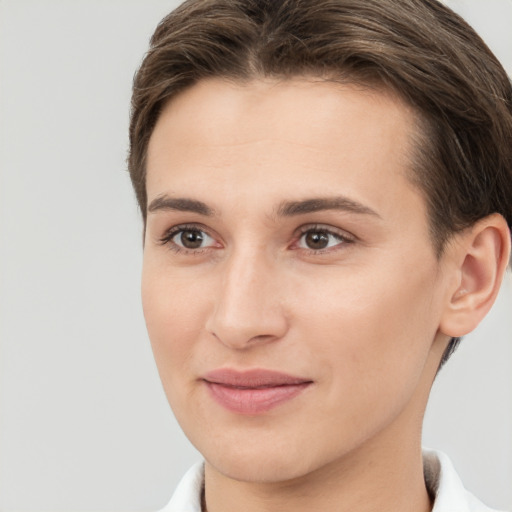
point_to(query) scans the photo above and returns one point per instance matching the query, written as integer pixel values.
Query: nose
(248, 310)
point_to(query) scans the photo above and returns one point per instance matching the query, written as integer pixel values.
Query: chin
(271, 457)
(248, 455)
(259, 468)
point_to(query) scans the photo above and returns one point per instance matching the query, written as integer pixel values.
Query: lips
(253, 391)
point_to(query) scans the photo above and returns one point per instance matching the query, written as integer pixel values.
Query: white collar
(440, 477)
(443, 482)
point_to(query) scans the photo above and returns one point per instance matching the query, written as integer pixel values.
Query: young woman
(326, 187)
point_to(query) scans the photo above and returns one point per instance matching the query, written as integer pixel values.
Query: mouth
(254, 391)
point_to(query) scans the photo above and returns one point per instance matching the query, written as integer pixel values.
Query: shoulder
(445, 486)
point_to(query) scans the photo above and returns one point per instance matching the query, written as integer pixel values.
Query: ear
(481, 255)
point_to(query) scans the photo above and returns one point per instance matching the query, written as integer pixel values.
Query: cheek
(372, 331)
(174, 310)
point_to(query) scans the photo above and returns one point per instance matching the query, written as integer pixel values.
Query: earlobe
(482, 253)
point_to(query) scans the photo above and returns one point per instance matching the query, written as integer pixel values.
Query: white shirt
(440, 477)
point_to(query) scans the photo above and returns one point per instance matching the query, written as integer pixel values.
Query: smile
(253, 391)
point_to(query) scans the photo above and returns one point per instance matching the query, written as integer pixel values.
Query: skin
(365, 319)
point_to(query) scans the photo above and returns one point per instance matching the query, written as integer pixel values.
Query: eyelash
(175, 230)
(343, 238)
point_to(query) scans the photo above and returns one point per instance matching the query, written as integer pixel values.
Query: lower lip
(254, 400)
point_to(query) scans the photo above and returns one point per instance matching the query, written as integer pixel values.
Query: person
(326, 189)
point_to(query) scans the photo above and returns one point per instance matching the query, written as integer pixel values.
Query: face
(290, 287)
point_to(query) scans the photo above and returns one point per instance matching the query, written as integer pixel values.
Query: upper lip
(253, 378)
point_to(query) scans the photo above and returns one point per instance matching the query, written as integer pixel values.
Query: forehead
(284, 105)
(305, 136)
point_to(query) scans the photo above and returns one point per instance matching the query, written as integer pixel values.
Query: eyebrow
(285, 209)
(180, 204)
(290, 208)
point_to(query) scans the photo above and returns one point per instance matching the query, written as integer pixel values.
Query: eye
(190, 238)
(318, 239)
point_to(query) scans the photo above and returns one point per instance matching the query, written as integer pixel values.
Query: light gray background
(84, 424)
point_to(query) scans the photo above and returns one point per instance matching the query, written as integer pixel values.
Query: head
(454, 152)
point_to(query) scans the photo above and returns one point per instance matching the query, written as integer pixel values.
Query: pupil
(317, 240)
(191, 239)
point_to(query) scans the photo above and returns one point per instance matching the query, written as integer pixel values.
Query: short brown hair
(419, 49)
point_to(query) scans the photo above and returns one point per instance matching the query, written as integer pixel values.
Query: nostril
(239, 339)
